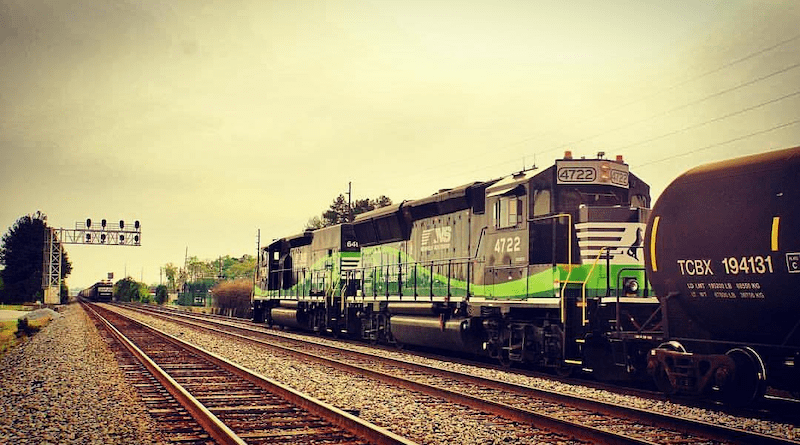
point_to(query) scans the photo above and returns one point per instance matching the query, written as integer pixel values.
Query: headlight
(631, 285)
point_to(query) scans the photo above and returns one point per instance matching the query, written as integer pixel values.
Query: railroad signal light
(88, 237)
(88, 223)
(136, 238)
(121, 238)
(102, 237)
(136, 224)
(103, 223)
(121, 224)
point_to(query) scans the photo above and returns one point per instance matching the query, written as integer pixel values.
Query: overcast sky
(209, 120)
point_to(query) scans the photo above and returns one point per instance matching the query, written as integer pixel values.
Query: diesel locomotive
(102, 291)
(553, 269)
(539, 267)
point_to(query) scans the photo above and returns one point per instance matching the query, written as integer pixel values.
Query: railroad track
(199, 398)
(600, 421)
(772, 408)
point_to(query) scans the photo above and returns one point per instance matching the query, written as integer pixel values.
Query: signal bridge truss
(90, 233)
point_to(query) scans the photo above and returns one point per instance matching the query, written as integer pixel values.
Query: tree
(171, 271)
(197, 269)
(21, 253)
(128, 289)
(225, 267)
(243, 267)
(314, 223)
(161, 294)
(340, 212)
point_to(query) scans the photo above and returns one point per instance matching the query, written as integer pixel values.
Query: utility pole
(258, 261)
(349, 201)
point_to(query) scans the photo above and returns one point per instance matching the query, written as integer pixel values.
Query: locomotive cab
(563, 277)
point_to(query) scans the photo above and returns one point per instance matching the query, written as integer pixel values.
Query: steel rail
(207, 420)
(707, 430)
(537, 419)
(353, 424)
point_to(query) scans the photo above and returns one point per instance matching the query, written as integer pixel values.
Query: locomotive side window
(640, 201)
(570, 200)
(507, 212)
(541, 202)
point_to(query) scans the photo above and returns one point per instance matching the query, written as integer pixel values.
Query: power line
(680, 107)
(787, 124)
(687, 128)
(660, 91)
(707, 73)
(640, 99)
(717, 119)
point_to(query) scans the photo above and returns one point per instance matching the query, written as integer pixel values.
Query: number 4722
(510, 244)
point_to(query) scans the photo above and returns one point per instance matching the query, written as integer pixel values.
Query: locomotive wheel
(504, 361)
(381, 328)
(749, 381)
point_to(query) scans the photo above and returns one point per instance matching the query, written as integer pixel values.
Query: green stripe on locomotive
(534, 281)
(328, 267)
(517, 283)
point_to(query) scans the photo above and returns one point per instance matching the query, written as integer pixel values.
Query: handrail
(584, 321)
(562, 302)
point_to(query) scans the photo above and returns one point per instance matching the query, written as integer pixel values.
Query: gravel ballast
(63, 386)
(379, 404)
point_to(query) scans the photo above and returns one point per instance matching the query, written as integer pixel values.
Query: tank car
(722, 252)
(539, 267)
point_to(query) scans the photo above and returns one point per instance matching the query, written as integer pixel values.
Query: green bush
(25, 328)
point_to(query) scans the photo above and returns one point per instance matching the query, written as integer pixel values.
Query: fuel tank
(722, 248)
(287, 317)
(453, 335)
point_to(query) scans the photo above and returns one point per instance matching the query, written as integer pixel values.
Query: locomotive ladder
(572, 350)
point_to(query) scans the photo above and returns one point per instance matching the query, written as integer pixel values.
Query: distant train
(548, 269)
(102, 291)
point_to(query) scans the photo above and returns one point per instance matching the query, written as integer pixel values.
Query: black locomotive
(102, 291)
(539, 267)
(553, 269)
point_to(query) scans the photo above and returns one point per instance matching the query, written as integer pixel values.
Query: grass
(8, 335)
(13, 332)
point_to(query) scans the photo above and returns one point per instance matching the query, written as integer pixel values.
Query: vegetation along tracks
(200, 397)
(542, 408)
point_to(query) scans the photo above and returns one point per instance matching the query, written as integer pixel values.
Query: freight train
(102, 291)
(553, 268)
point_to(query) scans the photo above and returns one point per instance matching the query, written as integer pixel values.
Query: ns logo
(436, 236)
